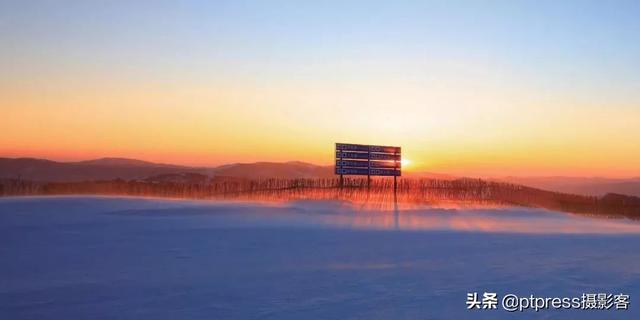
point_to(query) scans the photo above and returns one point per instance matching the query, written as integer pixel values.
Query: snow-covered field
(133, 258)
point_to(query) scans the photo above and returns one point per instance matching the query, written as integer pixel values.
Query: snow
(137, 258)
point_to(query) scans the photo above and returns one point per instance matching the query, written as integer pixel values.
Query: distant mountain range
(132, 169)
(580, 185)
(100, 169)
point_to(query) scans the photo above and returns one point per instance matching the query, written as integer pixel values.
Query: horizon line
(412, 172)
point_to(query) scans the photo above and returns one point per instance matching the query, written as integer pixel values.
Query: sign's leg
(369, 168)
(395, 184)
(341, 177)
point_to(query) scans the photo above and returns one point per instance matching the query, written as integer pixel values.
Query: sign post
(369, 160)
(341, 176)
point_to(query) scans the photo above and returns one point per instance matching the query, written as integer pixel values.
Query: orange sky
(493, 94)
(199, 124)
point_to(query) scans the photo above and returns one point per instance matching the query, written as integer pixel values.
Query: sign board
(368, 160)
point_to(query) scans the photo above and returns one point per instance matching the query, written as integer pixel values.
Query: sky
(477, 88)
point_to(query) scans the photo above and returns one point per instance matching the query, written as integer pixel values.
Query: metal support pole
(341, 176)
(369, 169)
(395, 177)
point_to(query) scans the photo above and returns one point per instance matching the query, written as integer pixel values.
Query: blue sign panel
(384, 172)
(352, 155)
(352, 163)
(352, 147)
(384, 149)
(366, 148)
(384, 156)
(384, 164)
(352, 171)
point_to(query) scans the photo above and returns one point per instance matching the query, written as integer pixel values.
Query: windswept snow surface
(135, 258)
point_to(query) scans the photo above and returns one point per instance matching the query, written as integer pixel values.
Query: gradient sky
(484, 88)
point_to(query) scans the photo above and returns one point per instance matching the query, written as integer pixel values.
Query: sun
(405, 162)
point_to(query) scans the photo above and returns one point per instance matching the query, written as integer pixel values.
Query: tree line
(418, 191)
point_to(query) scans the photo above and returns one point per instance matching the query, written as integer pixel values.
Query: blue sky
(558, 40)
